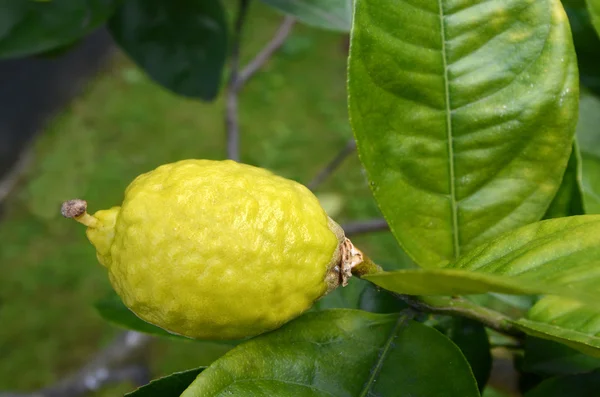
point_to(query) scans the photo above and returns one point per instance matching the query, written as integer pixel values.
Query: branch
(368, 226)
(333, 165)
(231, 114)
(263, 56)
(457, 306)
(113, 364)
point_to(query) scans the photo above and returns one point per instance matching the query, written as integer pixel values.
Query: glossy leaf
(168, 386)
(566, 321)
(594, 9)
(326, 14)
(549, 358)
(583, 385)
(30, 27)
(463, 116)
(569, 198)
(559, 256)
(341, 353)
(182, 45)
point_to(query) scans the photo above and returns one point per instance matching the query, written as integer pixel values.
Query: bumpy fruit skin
(216, 249)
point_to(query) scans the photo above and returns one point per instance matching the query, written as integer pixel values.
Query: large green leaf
(464, 114)
(566, 321)
(594, 9)
(28, 27)
(569, 197)
(559, 256)
(582, 385)
(182, 44)
(327, 14)
(168, 386)
(341, 353)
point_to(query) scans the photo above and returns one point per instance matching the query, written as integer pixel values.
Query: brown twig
(119, 361)
(239, 78)
(333, 165)
(231, 113)
(368, 226)
(267, 52)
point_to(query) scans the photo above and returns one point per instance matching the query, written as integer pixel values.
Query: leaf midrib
(453, 202)
(384, 352)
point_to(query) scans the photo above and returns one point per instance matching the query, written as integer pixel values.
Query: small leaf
(463, 113)
(557, 256)
(341, 353)
(548, 358)
(569, 198)
(182, 45)
(326, 14)
(566, 321)
(583, 385)
(376, 300)
(594, 9)
(30, 27)
(168, 386)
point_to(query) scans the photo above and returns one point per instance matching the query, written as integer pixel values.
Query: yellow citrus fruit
(215, 249)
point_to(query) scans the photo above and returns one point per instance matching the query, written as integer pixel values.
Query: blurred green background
(293, 120)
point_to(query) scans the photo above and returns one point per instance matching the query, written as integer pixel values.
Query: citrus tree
(477, 125)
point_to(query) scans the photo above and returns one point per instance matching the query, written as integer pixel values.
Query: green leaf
(342, 298)
(326, 14)
(472, 340)
(548, 358)
(464, 114)
(28, 27)
(376, 300)
(558, 256)
(182, 45)
(566, 321)
(168, 386)
(594, 9)
(583, 385)
(341, 353)
(569, 198)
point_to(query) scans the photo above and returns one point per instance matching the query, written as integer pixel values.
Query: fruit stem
(355, 263)
(366, 267)
(77, 209)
